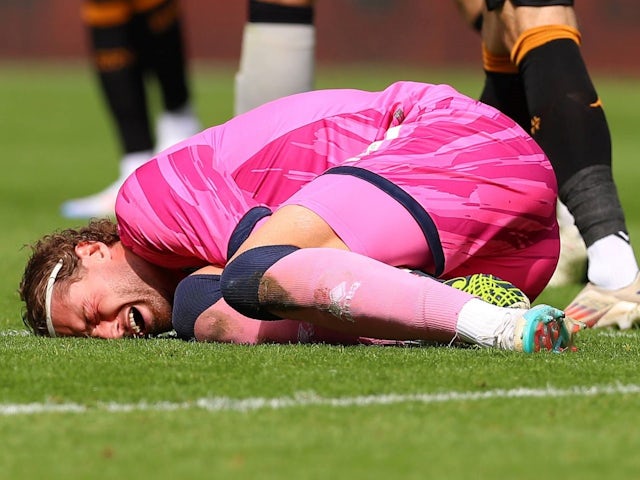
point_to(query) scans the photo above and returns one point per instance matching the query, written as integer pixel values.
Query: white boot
(103, 203)
(173, 127)
(572, 264)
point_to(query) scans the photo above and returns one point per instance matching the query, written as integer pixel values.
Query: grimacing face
(110, 300)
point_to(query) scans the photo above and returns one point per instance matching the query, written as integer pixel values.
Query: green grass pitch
(165, 409)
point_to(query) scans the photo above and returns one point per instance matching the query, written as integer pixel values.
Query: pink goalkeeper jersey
(180, 208)
(426, 178)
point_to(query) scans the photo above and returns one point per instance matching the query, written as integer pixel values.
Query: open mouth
(136, 322)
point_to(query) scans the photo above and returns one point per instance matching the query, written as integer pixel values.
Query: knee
(241, 279)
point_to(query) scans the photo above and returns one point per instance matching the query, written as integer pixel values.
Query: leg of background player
(278, 52)
(123, 46)
(503, 89)
(163, 53)
(544, 44)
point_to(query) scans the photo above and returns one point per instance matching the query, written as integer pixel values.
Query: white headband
(47, 297)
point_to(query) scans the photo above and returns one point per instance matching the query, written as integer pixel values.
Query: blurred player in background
(129, 40)
(535, 73)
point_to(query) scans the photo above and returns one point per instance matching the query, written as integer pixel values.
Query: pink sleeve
(177, 211)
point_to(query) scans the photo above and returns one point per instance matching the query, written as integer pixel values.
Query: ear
(87, 250)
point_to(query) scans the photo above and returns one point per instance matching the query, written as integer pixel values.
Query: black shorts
(493, 4)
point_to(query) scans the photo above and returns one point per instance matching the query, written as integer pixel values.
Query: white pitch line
(310, 399)
(15, 333)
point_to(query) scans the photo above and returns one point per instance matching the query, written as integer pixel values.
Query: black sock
(570, 126)
(162, 49)
(122, 81)
(572, 132)
(505, 92)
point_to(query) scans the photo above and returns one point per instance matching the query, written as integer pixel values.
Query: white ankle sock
(173, 127)
(277, 60)
(612, 263)
(479, 323)
(131, 161)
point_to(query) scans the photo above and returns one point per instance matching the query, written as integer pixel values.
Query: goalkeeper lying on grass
(303, 209)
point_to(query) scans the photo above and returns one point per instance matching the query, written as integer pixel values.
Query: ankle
(131, 161)
(612, 263)
(486, 325)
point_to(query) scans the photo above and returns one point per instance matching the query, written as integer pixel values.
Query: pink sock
(355, 294)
